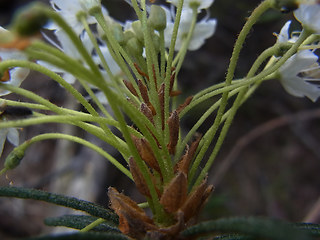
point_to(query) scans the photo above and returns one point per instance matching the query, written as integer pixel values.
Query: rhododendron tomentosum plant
(129, 72)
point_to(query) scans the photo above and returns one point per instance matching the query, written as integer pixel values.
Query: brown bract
(133, 221)
(175, 194)
(179, 207)
(182, 207)
(145, 152)
(184, 163)
(130, 87)
(174, 127)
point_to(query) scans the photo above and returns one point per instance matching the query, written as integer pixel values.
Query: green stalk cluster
(144, 95)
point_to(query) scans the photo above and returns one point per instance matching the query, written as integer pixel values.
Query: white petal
(295, 85)
(114, 67)
(309, 15)
(102, 98)
(283, 36)
(299, 88)
(3, 137)
(17, 74)
(69, 78)
(67, 45)
(202, 31)
(13, 136)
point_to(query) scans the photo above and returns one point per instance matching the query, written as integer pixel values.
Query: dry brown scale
(181, 206)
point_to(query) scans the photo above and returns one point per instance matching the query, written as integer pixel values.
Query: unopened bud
(286, 6)
(157, 18)
(118, 33)
(128, 35)
(29, 20)
(135, 47)
(91, 6)
(137, 28)
(14, 158)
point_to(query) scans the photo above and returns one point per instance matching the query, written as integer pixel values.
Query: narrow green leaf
(79, 222)
(311, 228)
(61, 200)
(255, 227)
(83, 236)
(232, 237)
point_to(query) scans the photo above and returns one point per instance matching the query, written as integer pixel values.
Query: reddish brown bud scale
(172, 78)
(143, 74)
(183, 105)
(130, 87)
(138, 178)
(174, 93)
(145, 152)
(144, 92)
(121, 202)
(195, 200)
(153, 110)
(133, 221)
(161, 100)
(148, 156)
(184, 164)
(147, 112)
(174, 126)
(175, 194)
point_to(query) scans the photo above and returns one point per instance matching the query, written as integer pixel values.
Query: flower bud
(91, 6)
(135, 47)
(118, 33)
(157, 18)
(137, 28)
(286, 6)
(128, 35)
(14, 158)
(29, 20)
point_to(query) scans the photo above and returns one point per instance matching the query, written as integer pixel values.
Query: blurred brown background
(273, 154)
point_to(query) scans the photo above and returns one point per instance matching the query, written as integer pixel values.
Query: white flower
(309, 16)
(113, 65)
(17, 74)
(11, 134)
(203, 30)
(284, 35)
(68, 48)
(200, 4)
(69, 9)
(294, 75)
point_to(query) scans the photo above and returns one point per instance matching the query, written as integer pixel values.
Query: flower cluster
(300, 71)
